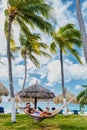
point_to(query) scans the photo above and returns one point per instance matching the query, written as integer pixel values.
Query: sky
(49, 74)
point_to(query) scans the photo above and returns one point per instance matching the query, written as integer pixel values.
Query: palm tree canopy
(26, 14)
(66, 38)
(84, 86)
(29, 12)
(30, 48)
(82, 96)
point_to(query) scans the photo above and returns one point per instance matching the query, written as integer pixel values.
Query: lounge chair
(75, 111)
(2, 110)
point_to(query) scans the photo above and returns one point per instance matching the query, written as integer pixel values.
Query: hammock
(54, 113)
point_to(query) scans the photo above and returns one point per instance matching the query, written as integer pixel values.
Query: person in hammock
(35, 112)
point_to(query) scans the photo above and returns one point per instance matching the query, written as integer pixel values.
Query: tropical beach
(43, 64)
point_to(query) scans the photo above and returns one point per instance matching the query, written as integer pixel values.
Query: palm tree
(31, 48)
(82, 97)
(65, 38)
(82, 28)
(24, 12)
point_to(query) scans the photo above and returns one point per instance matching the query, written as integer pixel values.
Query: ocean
(43, 105)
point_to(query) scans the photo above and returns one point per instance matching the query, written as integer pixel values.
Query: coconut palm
(31, 48)
(23, 12)
(65, 38)
(82, 28)
(82, 97)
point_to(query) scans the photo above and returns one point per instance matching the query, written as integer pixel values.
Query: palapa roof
(37, 91)
(69, 95)
(0, 99)
(17, 99)
(3, 90)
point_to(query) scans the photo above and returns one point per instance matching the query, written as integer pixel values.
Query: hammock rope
(54, 112)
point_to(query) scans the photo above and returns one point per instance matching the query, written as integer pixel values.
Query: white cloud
(20, 82)
(71, 71)
(4, 68)
(18, 59)
(2, 36)
(53, 90)
(61, 13)
(84, 13)
(78, 87)
(78, 72)
(84, 6)
(54, 71)
(50, 84)
(33, 81)
(18, 71)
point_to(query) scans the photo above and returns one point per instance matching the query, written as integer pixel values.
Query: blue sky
(48, 75)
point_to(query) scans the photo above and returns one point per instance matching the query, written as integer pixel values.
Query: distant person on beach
(47, 108)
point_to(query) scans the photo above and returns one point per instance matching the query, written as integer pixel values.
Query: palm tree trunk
(25, 61)
(63, 89)
(10, 71)
(82, 28)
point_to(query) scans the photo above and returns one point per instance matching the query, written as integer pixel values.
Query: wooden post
(35, 103)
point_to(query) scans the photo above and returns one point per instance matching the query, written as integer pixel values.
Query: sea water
(43, 105)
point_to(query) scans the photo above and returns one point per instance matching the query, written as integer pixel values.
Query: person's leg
(44, 115)
(47, 112)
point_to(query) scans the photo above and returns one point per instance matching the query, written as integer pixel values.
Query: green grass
(60, 122)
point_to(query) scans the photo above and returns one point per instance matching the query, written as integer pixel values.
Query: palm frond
(66, 27)
(75, 53)
(38, 21)
(45, 54)
(53, 47)
(33, 59)
(75, 41)
(43, 45)
(81, 94)
(84, 86)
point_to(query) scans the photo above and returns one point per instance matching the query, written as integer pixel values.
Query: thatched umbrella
(36, 91)
(69, 95)
(3, 90)
(0, 99)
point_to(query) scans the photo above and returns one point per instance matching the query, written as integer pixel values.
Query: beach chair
(75, 111)
(2, 110)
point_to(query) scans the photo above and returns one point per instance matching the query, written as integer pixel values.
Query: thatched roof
(69, 95)
(3, 90)
(0, 99)
(38, 91)
(17, 99)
